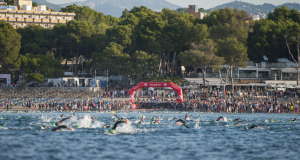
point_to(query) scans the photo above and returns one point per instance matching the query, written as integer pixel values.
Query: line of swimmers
(154, 120)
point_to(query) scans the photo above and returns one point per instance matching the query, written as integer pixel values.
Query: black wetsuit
(58, 128)
(238, 122)
(252, 127)
(183, 123)
(116, 124)
(237, 119)
(293, 120)
(219, 118)
(106, 126)
(58, 123)
(141, 121)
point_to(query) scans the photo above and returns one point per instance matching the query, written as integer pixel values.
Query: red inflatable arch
(156, 84)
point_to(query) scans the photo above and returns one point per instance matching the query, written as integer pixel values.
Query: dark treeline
(143, 43)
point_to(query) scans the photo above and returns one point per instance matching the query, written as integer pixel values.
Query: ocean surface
(21, 138)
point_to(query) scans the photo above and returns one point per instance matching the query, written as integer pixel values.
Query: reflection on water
(21, 138)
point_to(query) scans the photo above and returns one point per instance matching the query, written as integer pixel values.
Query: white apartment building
(23, 14)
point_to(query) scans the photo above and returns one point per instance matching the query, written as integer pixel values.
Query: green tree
(226, 22)
(202, 56)
(79, 34)
(293, 34)
(9, 2)
(36, 39)
(234, 53)
(107, 59)
(283, 14)
(10, 44)
(37, 67)
(34, 4)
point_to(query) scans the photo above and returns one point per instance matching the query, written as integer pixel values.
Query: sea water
(21, 138)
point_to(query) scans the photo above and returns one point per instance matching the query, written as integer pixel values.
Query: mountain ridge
(115, 7)
(253, 9)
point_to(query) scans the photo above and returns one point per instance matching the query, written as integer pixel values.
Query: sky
(202, 3)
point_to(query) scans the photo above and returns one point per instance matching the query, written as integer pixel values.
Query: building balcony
(23, 20)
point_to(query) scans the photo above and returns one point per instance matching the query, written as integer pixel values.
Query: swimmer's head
(70, 128)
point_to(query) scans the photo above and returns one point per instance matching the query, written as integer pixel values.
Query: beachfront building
(23, 14)
(262, 74)
(193, 10)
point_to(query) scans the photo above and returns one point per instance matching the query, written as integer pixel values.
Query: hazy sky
(201, 3)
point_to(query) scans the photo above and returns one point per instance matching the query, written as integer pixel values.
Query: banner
(156, 84)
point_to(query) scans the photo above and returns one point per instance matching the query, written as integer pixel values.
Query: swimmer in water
(175, 118)
(293, 120)
(237, 120)
(106, 126)
(58, 123)
(60, 127)
(272, 120)
(143, 117)
(44, 127)
(92, 118)
(238, 123)
(181, 122)
(118, 122)
(141, 121)
(62, 116)
(154, 120)
(187, 116)
(116, 118)
(218, 119)
(251, 127)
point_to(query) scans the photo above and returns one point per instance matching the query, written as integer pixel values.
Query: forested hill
(256, 9)
(115, 7)
(50, 5)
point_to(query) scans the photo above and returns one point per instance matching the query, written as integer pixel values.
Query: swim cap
(0, 127)
(112, 131)
(151, 123)
(41, 127)
(245, 126)
(53, 124)
(78, 126)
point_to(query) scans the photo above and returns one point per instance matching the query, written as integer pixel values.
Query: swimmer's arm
(58, 123)
(116, 124)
